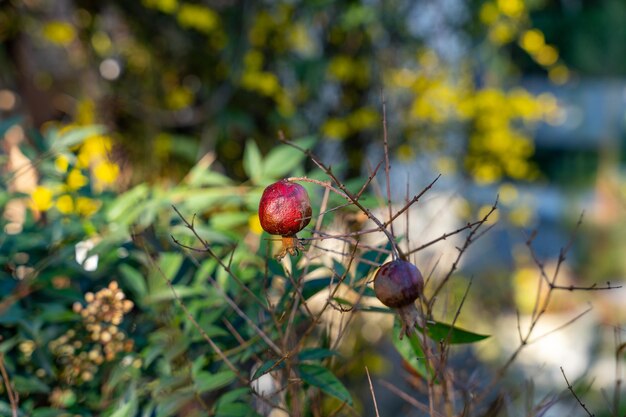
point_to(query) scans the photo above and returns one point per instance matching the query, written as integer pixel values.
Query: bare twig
(471, 237)
(328, 171)
(387, 166)
(571, 389)
(369, 379)
(409, 399)
(13, 397)
(193, 321)
(207, 249)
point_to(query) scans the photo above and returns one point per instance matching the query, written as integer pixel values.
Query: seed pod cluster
(98, 339)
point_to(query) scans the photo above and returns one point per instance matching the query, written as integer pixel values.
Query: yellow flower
(559, 74)
(532, 40)
(511, 8)
(179, 98)
(42, 198)
(61, 163)
(59, 33)
(94, 148)
(65, 204)
(165, 6)
(363, 118)
(106, 172)
(342, 68)
(76, 180)
(254, 224)
(197, 17)
(488, 13)
(547, 55)
(501, 33)
(86, 206)
(335, 129)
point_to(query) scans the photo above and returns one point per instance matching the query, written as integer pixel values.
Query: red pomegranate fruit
(398, 284)
(284, 210)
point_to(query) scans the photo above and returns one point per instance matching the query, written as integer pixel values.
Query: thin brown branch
(471, 237)
(387, 166)
(13, 397)
(369, 380)
(193, 321)
(210, 251)
(410, 399)
(328, 171)
(561, 327)
(445, 236)
(571, 389)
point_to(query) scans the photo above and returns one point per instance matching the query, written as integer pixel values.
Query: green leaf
(365, 267)
(75, 136)
(267, 366)
(25, 385)
(284, 159)
(237, 409)
(410, 348)
(172, 405)
(313, 286)
(437, 331)
(170, 263)
(203, 177)
(206, 381)
(252, 162)
(281, 161)
(229, 220)
(233, 396)
(127, 410)
(165, 293)
(316, 354)
(120, 207)
(12, 315)
(453, 335)
(322, 378)
(46, 412)
(134, 281)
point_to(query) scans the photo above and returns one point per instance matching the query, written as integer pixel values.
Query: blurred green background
(112, 112)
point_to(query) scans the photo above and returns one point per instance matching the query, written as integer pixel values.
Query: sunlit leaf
(129, 409)
(252, 162)
(283, 159)
(75, 136)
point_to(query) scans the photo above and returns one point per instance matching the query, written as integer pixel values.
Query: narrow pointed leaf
(453, 335)
(322, 378)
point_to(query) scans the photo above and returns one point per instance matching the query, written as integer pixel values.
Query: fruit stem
(410, 318)
(290, 245)
(343, 191)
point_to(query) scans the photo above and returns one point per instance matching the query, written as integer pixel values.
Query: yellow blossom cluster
(189, 15)
(360, 119)
(499, 144)
(270, 34)
(508, 21)
(98, 340)
(86, 169)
